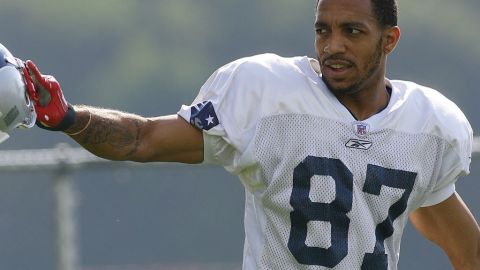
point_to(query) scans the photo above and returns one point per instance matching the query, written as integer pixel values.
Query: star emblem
(209, 120)
(203, 116)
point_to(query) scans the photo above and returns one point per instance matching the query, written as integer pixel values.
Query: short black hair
(386, 12)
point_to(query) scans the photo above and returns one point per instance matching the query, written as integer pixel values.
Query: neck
(369, 100)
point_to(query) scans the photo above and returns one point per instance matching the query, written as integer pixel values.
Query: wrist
(67, 121)
(75, 131)
(82, 120)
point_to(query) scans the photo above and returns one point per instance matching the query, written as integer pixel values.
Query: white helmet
(16, 108)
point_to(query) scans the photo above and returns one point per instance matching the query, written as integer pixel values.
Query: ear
(391, 36)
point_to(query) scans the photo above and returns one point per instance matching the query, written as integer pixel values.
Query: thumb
(44, 88)
(33, 69)
(29, 84)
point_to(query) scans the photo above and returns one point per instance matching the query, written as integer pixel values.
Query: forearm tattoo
(113, 131)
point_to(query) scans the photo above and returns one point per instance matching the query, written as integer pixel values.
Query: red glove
(53, 111)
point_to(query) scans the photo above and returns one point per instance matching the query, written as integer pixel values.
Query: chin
(340, 88)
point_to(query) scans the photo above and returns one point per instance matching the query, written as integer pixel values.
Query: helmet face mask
(16, 107)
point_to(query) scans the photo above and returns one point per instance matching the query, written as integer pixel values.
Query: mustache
(337, 57)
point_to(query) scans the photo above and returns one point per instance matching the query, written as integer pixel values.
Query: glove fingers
(33, 68)
(43, 82)
(29, 84)
(37, 75)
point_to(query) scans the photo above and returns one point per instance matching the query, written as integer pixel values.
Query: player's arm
(451, 225)
(122, 136)
(113, 134)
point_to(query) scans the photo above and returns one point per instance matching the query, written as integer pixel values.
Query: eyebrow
(354, 25)
(320, 24)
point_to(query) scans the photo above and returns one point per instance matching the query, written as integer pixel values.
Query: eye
(354, 31)
(321, 31)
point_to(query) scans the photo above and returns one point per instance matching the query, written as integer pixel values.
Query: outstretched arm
(112, 134)
(118, 135)
(452, 227)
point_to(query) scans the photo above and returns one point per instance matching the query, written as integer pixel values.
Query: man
(334, 157)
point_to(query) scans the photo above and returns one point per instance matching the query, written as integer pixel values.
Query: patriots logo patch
(203, 116)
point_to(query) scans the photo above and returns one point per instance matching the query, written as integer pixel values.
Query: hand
(53, 110)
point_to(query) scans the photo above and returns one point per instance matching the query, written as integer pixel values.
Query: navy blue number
(376, 178)
(335, 212)
(304, 210)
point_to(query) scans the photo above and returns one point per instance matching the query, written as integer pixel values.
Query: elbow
(474, 262)
(145, 151)
(142, 153)
(469, 260)
(168, 139)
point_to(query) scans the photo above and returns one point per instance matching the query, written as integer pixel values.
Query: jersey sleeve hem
(184, 112)
(440, 195)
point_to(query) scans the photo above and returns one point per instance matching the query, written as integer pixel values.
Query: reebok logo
(358, 144)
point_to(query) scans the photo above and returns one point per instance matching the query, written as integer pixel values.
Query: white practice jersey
(324, 191)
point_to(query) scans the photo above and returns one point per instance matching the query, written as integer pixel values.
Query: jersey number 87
(304, 210)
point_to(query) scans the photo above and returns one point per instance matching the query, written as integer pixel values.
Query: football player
(334, 157)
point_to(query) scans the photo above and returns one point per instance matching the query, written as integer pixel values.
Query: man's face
(349, 45)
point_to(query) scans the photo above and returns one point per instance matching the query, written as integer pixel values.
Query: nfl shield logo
(361, 129)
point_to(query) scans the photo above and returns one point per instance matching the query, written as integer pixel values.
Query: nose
(334, 44)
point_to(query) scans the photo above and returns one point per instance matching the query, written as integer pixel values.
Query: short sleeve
(225, 110)
(455, 163)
